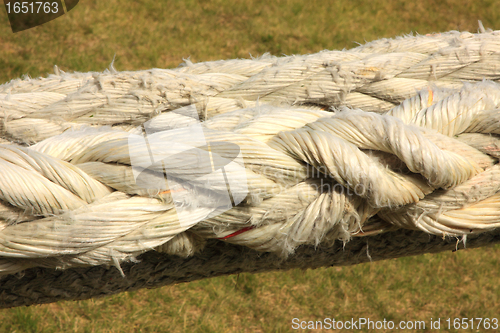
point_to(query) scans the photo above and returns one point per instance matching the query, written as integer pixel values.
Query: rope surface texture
(270, 153)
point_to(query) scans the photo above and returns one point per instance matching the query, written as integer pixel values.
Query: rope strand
(270, 153)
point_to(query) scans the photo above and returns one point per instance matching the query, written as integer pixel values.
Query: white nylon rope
(396, 133)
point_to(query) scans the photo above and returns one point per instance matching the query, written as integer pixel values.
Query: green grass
(147, 33)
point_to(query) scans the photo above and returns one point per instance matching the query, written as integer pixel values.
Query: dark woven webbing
(39, 285)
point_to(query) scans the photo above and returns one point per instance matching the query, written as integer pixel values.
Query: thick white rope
(270, 153)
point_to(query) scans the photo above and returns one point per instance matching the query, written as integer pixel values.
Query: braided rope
(397, 133)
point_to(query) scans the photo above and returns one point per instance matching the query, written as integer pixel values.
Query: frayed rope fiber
(278, 155)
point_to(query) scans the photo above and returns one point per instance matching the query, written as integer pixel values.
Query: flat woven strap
(44, 285)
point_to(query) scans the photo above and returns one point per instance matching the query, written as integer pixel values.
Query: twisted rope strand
(283, 151)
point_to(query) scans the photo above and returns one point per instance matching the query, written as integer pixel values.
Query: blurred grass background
(148, 33)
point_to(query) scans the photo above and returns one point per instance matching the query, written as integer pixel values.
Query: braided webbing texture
(154, 269)
(396, 133)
